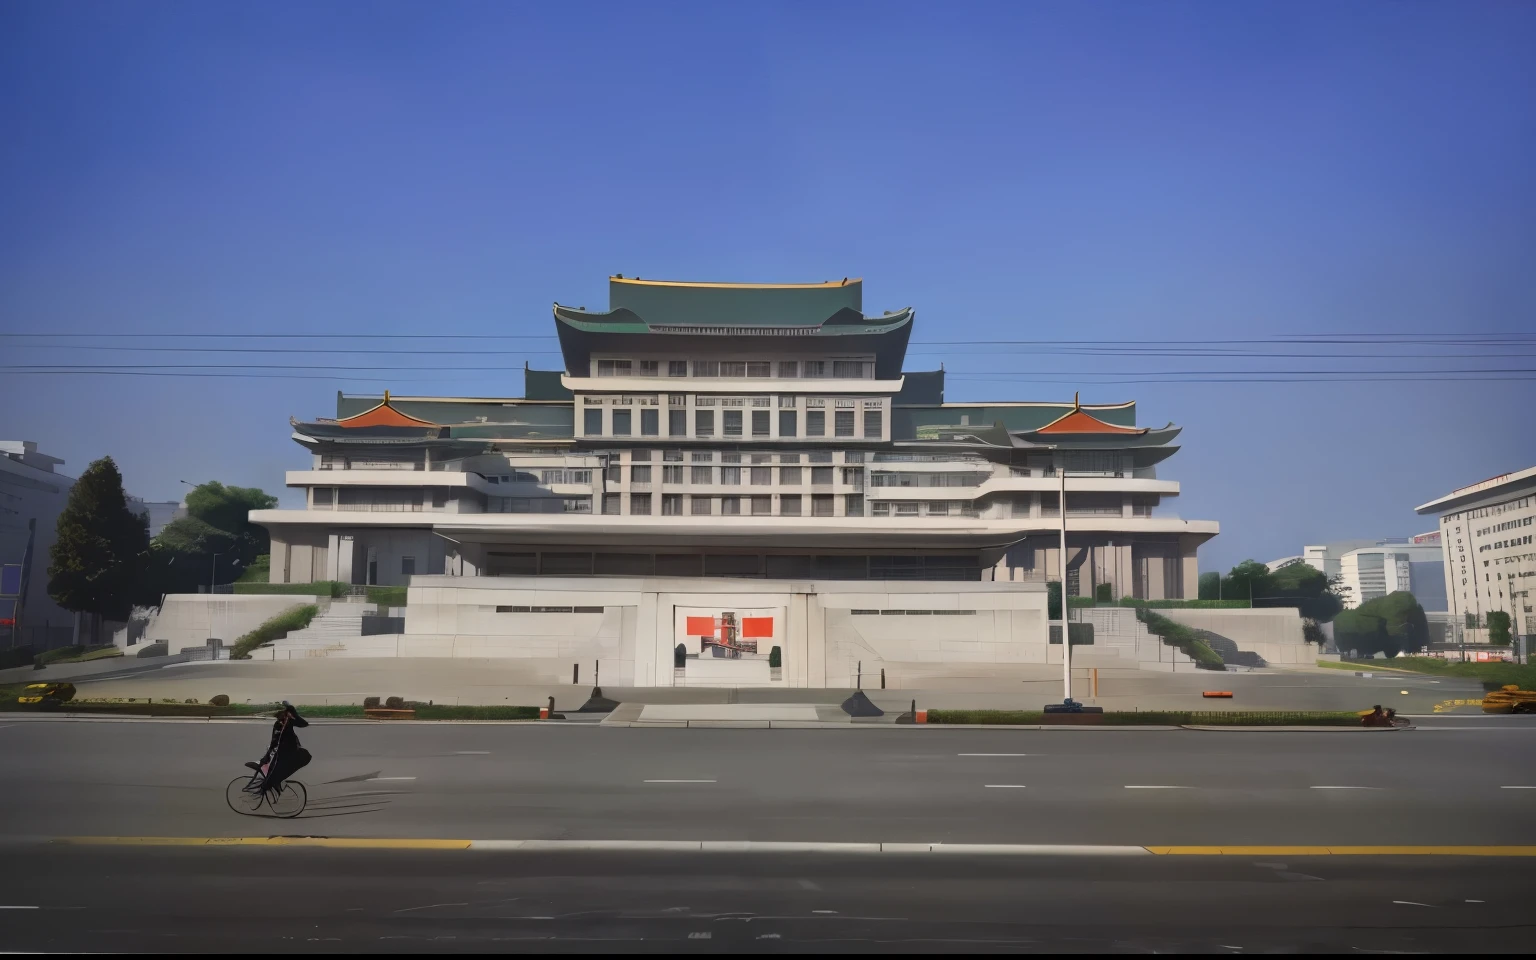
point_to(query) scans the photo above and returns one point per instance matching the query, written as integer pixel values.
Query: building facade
(1489, 534)
(703, 430)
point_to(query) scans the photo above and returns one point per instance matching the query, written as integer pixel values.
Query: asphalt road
(290, 900)
(1445, 783)
(1453, 781)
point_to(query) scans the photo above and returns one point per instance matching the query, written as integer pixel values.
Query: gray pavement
(296, 900)
(470, 681)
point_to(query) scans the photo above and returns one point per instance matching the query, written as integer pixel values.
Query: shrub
(220, 700)
(370, 703)
(1104, 593)
(1498, 628)
(775, 658)
(1183, 604)
(17, 657)
(1177, 635)
(78, 654)
(395, 703)
(320, 588)
(679, 656)
(294, 618)
(58, 653)
(387, 596)
(258, 571)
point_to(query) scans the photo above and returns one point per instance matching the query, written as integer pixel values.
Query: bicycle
(245, 795)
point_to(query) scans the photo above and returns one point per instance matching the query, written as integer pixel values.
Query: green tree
(217, 523)
(1304, 587)
(1362, 633)
(1391, 624)
(1053, 600)
(1249, 578)
(1498, 627)
(1210, 586)
(98, 556)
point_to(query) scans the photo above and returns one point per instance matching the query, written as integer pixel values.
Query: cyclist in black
(284, 756)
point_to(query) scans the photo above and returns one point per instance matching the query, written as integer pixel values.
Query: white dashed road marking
(1345, 788)
(994, 754)
(681, 781)
(1153, 786)
(1004, 786)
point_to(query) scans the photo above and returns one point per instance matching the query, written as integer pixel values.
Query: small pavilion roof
(383, 415)
(1079, 422)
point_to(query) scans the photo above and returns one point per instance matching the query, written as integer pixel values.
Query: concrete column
(816, 642)
(653, 638)
(1191, 573)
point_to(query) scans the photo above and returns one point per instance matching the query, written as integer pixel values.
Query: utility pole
(1066, 638)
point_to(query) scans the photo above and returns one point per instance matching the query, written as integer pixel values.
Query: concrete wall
(821, 637)
(191, 619)
(1273, 633)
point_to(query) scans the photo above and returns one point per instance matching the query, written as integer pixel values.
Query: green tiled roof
(712, 304)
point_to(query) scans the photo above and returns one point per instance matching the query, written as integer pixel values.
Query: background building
(1374, 568)
(1490, 553)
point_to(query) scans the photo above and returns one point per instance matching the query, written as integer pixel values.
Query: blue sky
(1103, 172)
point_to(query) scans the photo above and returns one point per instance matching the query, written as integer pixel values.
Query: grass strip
(273, 628)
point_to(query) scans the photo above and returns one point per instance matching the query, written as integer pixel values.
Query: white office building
(1489, 532)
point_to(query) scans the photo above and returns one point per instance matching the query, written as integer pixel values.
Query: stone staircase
(326, 634)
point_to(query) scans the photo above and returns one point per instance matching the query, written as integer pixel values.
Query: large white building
(1490, 554)
(721, 431)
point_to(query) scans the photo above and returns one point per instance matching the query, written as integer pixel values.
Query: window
(621, 423)
(842, 423)
(640, 504)
(880, 508)
(732, 423)
(813, 368)
(730, 506)
(906, 509)
(407, 566)
(789, 368)
(615, 473)
(760, 369)
(760, 423)
(730, 476)
(762, 476)
(672, 504)
(762, 506)
(702, 475)
(592, 422)
(938, 509)
(700, 506)
(873, 424)
(821, 504)
(613, 368)
(730, 458)
(821, 476)
(706, 368)
(848, 369)
(787, 423)
(640, 473)
(789, 505)
(789, 458)
(577, 504)
(762, 458)
(819, 456)
(789, 476)
(703, 423)
(672, 456)
(611, 504)
(649, 368)
(702, 457)
(815, 423)
(671, 474)
(854, 504)
(733, 368)
(650, 425)
(566, 476)
(677, 423)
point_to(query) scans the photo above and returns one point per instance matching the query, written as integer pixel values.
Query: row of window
(1493, 511)
(518, 609)
(859, 369)
(790, 505)
(1506, 525)
(913, 613)
(736, 476)
(734, 423)
(910, 508)
(545, 477)
(786, 401)
(708, 456)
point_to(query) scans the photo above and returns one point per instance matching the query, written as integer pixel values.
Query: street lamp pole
(1066, 637)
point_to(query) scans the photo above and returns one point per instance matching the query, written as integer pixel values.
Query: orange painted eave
(383, 415)
(1079, 422)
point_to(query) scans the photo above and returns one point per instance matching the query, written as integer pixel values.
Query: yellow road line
(1397, 850)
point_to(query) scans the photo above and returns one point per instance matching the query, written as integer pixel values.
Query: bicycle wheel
(289, 801)
(241, 799)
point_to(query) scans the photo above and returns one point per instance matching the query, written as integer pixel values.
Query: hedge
(1162, 604)
(1177, 635)
(78, 653)
(320, 588)
(166, 708)
(1172, 718)
(1493, 675)
(294, 618)
(387, 596)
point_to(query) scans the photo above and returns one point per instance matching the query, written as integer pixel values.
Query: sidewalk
(494, 682)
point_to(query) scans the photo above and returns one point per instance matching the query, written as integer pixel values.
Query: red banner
(757, 627)
(701, 626)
